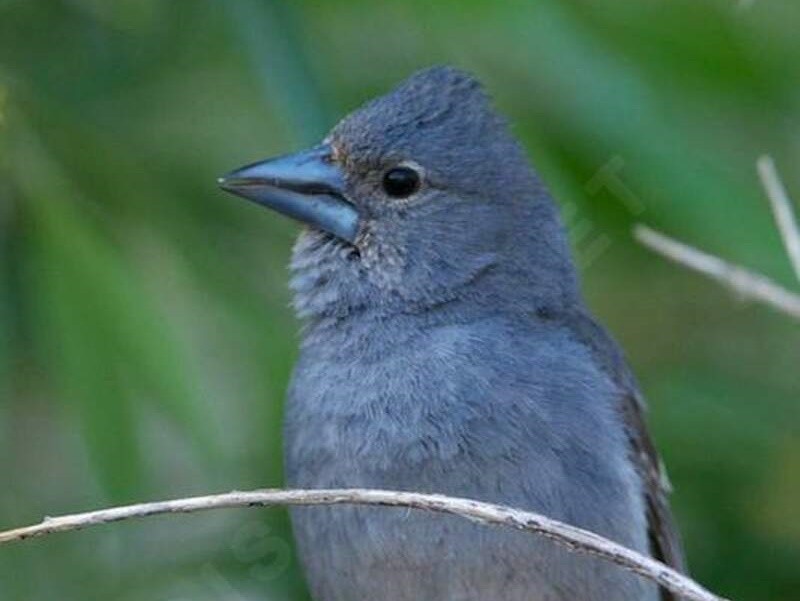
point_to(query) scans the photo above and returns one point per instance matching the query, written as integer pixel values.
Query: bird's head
(418, 198)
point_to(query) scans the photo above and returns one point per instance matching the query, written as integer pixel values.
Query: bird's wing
(664, 538)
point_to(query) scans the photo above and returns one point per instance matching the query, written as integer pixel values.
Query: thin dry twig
(574, 539)
(748, 284)
(781, 209)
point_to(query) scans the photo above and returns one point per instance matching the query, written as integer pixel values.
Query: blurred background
(145, 333)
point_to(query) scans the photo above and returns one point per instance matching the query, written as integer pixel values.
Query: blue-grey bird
(446, 349)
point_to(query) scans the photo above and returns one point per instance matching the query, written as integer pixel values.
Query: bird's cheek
(382, 254)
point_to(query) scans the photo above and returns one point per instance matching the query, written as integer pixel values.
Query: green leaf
(99, 326)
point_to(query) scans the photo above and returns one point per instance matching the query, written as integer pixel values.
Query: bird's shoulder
(664, 537)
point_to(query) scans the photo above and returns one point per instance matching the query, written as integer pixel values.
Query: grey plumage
(448, 350)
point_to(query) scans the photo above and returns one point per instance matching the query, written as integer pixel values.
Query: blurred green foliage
(145, 334)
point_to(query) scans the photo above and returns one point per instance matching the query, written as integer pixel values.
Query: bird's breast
(495, 411)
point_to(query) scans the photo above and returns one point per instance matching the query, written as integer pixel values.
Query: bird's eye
(400, 182)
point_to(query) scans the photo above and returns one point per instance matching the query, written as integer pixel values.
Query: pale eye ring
(401, 181)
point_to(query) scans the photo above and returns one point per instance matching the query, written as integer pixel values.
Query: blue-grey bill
(306, 186)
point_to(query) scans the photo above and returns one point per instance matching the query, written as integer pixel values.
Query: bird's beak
(307, 186)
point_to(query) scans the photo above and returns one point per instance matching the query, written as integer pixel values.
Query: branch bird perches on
(574, 539)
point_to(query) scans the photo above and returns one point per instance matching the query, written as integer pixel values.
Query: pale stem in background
(574, 539)
(782, 210)
(748, 284)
